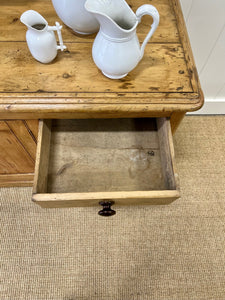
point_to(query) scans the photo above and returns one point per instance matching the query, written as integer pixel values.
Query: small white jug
(116, 49)
(40, 37)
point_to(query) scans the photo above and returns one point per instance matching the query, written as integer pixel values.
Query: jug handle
(58, 28)
(148, 9)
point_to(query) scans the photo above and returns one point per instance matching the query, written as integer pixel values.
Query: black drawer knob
(106, 211)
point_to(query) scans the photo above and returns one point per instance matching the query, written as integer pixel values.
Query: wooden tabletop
(165, 81)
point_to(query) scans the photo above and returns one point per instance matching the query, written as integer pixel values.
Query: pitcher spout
(34, 20)
(115, 17)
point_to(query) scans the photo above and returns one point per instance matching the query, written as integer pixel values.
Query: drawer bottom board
(104, 155)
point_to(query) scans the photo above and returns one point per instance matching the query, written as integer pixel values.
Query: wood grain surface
(165, 81)
(18, 141)
(16, 148)
(9, 180)
(13, 30)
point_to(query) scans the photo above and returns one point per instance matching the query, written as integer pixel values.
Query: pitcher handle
(150, 10)
(58, 28)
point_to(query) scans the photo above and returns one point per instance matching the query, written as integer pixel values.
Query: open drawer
(83, 162)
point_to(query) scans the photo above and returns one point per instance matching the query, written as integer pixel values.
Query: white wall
(205, 21)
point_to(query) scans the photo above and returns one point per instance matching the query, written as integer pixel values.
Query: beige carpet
(172, 252)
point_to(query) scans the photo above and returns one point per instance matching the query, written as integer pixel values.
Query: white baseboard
(211, 107)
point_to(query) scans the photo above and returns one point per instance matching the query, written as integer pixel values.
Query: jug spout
(115, 17)
(34, 20)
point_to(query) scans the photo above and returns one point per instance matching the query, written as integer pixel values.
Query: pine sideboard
(152, 99)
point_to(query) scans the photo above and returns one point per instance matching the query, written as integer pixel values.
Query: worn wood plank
(10, 180)
(20, 130)
(104, 155)
(13, 30)
(88, 111)
(32, 127)
(193, 73)
(175, 120)
(92, 199)
(42, 157)
(167, 153)
(13, 156)
(162, 70)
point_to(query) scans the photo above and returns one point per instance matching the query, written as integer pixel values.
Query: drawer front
(84, 162)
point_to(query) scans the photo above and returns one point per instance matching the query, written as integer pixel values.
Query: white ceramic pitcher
(75, 16)
(116, 49)
(40, 37)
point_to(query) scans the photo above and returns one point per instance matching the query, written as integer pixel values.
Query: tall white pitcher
(116, 49)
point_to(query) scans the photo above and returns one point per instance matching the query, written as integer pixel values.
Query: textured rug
(173, 252)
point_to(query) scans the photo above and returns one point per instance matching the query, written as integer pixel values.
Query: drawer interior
(99, 158)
